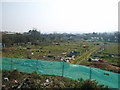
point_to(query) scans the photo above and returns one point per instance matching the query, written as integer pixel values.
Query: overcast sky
(70, 16)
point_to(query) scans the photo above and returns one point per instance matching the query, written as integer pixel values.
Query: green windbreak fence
(73, 71)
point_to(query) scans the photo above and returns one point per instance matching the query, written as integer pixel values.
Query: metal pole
(63, 69)
(90, 73)
(11, 64)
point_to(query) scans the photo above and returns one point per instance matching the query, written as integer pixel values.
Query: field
(108, 52)
(56, 51)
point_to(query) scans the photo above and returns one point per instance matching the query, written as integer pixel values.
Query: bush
(35, 75)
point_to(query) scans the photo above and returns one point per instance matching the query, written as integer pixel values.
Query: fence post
(36, 64)
(11, 64)
(63, 69)
(90, 73)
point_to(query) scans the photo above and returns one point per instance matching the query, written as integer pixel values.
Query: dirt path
(93, 50)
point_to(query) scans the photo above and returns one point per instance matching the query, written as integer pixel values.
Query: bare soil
(104, 66)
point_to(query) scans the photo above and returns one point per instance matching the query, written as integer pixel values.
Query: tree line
(35, 36)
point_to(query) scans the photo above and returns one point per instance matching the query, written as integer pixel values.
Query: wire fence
(69, 70)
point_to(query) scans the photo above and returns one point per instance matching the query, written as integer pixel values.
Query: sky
(61, 16)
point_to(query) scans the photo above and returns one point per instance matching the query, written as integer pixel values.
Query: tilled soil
(104, 66)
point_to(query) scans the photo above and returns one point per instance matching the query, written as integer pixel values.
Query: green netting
(24, 65)
(6, 63)
(50, 68)
(56, 68)
(76, 71)
(99, 75)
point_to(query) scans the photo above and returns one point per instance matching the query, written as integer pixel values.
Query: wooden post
(90, 73)
(11, 64)
(36, 64)
(63, 69)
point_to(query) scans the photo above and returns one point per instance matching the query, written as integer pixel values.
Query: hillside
(20, 80)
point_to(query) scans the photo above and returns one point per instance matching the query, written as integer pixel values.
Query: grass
(110, 48)
(55, 50)
(85, 57)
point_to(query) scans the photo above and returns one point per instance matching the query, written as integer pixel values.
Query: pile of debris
(96, 60)
(68, 59)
